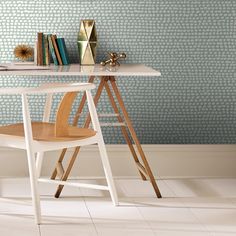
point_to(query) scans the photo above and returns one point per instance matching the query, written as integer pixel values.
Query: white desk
(107, 76)
(96, 70)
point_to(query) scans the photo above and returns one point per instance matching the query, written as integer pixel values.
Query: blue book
(50, 44)
(63, 51)
(43, 49)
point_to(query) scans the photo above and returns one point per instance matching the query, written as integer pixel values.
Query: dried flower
(23, 52)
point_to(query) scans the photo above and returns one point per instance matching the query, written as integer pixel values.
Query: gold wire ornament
(23, 52)
(113, 59)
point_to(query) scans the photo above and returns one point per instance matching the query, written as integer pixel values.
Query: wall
(191, 42)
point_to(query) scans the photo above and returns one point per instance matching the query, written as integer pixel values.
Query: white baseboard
(165, 160)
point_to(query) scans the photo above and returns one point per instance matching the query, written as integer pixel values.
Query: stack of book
(48, 46)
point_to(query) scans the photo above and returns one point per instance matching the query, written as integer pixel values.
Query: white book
(11, 67)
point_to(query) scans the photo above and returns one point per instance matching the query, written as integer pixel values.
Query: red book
(40, 49)
(54, 42)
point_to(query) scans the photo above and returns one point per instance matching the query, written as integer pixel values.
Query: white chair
(39, 137)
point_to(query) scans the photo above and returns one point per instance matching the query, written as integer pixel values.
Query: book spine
(52, 50)
(44, 51)
(47, 60)
(40, 49)
(54, 41)
(63, 51)
(35, 53)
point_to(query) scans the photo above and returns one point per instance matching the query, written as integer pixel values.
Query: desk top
(78, 70)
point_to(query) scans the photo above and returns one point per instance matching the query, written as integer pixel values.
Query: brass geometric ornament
(87, 42)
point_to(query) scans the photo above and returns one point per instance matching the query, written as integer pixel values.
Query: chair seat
(43, 131)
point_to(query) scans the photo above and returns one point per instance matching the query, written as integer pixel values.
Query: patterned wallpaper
(192, 42)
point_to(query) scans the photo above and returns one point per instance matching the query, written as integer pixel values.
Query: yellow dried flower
(23, 52)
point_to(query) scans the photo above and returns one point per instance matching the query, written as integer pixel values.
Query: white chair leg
(108, 173)
(34, 185)
(31, 159)
(39, 162)
(46, 117)
(102, 149)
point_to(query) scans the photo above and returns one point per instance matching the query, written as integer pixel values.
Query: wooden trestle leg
(144, 170)
(123, 128)
(65, 174)
(59, 170)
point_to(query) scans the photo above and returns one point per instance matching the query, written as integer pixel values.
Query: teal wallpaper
(192, 42)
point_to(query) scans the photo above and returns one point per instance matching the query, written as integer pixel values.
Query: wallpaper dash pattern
(192, 43)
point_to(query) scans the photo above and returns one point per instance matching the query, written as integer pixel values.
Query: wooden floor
(198, 207)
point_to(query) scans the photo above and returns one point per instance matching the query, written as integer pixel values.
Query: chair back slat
(63, 113)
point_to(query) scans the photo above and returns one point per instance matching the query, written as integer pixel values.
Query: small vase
(87, 42)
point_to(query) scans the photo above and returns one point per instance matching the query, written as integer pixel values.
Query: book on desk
(47, 45)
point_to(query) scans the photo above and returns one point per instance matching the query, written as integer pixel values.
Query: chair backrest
(64, 108)
(63, 113)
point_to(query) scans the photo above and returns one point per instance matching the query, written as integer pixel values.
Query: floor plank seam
(94, 225)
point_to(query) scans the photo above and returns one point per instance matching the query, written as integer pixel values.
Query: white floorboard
(16, 218)
(15, 225)
(124, 219)
(189, 207)
(66, 216)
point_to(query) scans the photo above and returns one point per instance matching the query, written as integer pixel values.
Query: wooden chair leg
(77, 149)
(123, 129)
(146, 168)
